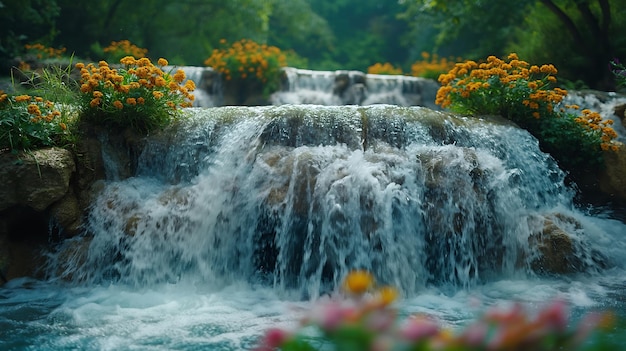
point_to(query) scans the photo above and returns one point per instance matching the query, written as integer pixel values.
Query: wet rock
(556, 248)
(36, 179)
(612, 178)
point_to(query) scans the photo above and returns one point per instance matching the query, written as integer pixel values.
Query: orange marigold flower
(160, 82)
(63, 126)
(128, 61)
(131, 101)
(33, 109)
(358, 282)
(190, 85)
(162, 62)
(179, 76)
(22, 98)
(141, 100)
(118, 104)
(143, 62)
(157, 94)
(95, 102)
(97, 94)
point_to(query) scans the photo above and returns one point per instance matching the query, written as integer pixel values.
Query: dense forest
(581, 37)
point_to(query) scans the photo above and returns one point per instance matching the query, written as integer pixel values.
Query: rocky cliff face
(36, 203)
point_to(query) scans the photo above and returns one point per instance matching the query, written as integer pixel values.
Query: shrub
(29, 122)
(431, 66)
(43, 52)
(523, 94)
(384, 68)
(140, 95)
(366, 320)
(248, 61)
(120, 49)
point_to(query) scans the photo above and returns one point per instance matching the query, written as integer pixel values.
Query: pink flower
(554, 317)
(419, 327)
(475, 334)
(273, 338)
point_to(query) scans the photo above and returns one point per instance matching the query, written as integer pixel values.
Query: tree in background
(365, 32)
(23, 22)
(587, 36)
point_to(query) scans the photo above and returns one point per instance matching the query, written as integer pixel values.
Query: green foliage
(521, 92)
(579, 36)
(40, 113)
(29, 122)
(140, 96)
(25, 21)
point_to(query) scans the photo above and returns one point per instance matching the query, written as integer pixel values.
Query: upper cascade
(329, 88)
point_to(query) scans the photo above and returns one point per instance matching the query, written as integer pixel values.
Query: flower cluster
(119, 49)
(28, 122)
(248, 60)
(43, 52)
(498, 87)
(431, 65)
(384, 68)
(521, 92)
(140, 95)
(366, 320)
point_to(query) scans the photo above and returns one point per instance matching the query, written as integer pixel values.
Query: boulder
(555, 248)
(36, 179)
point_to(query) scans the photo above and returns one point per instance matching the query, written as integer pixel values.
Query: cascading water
(354, 88)
(238, 213)
(295, 197)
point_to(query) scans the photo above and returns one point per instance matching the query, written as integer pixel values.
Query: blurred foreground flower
(365, 320)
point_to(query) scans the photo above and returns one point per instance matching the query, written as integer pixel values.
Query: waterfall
(354, 88)
(296, 196)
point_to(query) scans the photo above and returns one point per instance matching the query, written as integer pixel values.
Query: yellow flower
(157, 94)
(162, 62)
(95, 102)
(358, 282)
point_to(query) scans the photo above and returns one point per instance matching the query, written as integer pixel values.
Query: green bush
(522, 93)
(140, 96)
(29, 122)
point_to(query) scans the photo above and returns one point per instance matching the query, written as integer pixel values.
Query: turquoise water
(37, 315)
